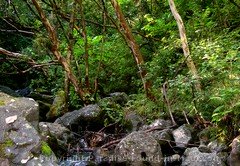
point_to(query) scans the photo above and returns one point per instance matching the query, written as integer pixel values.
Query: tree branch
(15, 29)
(55, 50)
(19, 31)
(11, 54)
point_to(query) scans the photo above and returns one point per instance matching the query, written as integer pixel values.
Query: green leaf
(97, 39)
(216, 101)
(236, 108)
(218, 113)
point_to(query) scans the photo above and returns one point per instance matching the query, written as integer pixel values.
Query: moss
(4, 145)
(46, 150)
(2, 103)
(58, 106)
(9, 143)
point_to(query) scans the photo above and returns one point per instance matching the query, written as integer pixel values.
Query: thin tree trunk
(69, 57)
(104, 19)
(84, 33)
(185, 47)
(134, 48)
(55, 50)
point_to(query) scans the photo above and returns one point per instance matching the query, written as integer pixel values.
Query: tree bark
(69, 57)
(134, 48)
(84, 33)
(55, 50)
(11, 54)
(185, 47)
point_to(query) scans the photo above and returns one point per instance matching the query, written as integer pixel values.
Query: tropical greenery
(85, 48)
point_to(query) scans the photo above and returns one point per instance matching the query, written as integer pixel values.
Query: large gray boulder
(20, 142)
(139, 148)
(193, 157)
(86, 115)
(21, 107)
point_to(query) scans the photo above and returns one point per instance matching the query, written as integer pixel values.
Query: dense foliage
(213, 37)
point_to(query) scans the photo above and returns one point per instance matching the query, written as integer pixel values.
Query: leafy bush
(144, 107)
(113, 112)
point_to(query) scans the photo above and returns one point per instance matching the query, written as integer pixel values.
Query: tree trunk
(134, 48)
(185, 47)
(84, 33)
(56, 52)
(69, 56)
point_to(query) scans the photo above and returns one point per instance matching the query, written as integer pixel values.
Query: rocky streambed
(80, 138)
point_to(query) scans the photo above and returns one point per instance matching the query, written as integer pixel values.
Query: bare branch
(20, 31)
(10, 54)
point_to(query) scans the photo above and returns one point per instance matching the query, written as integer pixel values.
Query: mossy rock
(45, 149)
(58, 107)
(2, 103)
(6, 144)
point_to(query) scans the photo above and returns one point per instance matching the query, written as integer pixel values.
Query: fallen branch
(111, 143)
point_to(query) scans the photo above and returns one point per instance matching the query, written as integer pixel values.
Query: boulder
(139, 148)
(217, 147)
(57, 136)
(45, 102)
(162, 136)
(223, 156)
(119, 97)
(43, 160)
(158, 123)
(182, 136)
(88, 115)
(56, 130)
(172, 160)
(234, 158)
(20, 107)
(20, 142)
(135, 121)
(193, 157)
(204, 149)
